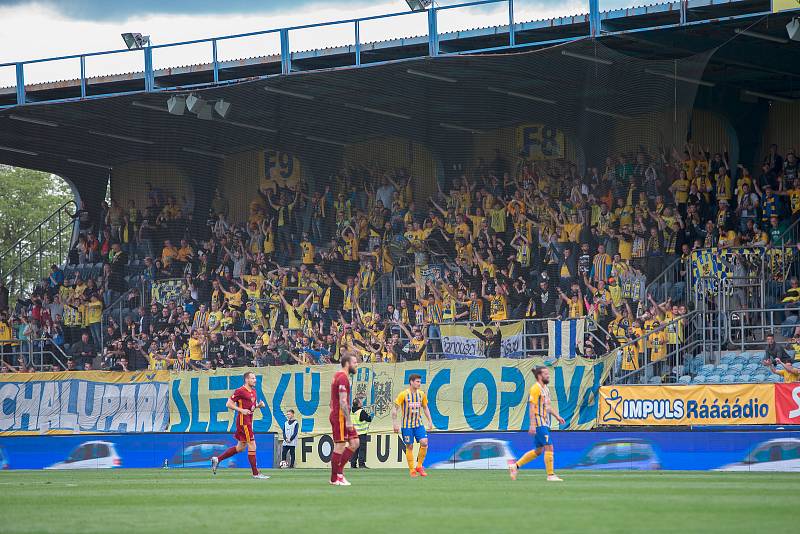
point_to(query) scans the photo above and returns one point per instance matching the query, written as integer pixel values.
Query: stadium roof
(88, 137)
(713, 18)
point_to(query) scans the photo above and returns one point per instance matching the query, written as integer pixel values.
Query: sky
(49, 28)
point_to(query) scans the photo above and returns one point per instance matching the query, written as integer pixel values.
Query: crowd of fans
(303, 276)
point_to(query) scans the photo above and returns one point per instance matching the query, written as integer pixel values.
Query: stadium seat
(693, 365)
(751, 367)
(699, 379)
(728, 359)
(654, 380)
(685, 379)
(728, 379)
(760, 377)
(713, 379)
(736, 368)
(722, 368)
(774, 378)
(707, 369)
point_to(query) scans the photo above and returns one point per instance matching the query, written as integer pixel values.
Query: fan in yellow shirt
(197, 344)
(307, 251)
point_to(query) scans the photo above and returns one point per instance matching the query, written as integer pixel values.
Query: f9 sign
(281, 169)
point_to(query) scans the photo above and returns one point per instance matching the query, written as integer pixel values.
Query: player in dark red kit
(345, 437)
(243, 401)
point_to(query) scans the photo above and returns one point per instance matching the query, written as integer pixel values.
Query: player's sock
(527, 457)
(227, 454)
(346, 455)
(335, 461)
(251, 457)
(548, 462)
(423, 450)
(410, 457)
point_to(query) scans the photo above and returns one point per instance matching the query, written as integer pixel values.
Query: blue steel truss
(595, 20)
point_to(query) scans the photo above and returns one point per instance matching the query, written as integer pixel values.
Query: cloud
(103, 10)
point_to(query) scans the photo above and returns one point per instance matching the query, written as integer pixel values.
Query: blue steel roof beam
(562, 25)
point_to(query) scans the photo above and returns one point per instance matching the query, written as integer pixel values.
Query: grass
(383, 501)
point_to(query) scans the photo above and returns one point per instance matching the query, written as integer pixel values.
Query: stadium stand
(674, 255)
(301, 277)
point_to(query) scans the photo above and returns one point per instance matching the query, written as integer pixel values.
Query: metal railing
(28, 261)
(748, 329)
(784, 257)
(33, 352)
(690, 339)
(670, 283)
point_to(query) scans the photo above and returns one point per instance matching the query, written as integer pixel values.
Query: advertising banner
(787, 403)
(668, 450)
(114, 451)
(734, 404)
(458, 341)
(385, 450)
(784, 5)
(91, 401)
(696, 450)
(462, 395)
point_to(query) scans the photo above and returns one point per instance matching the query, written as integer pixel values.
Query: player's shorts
(416, 433)
(542, 437)
(244, 433)
(340, 432)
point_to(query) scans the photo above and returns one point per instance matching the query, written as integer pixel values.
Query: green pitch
(383, 501)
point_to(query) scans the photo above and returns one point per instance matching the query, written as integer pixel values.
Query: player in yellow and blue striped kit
(412, 402)
(540, 412)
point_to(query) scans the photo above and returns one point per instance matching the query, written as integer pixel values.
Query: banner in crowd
(91, 402)
(565, 338)
(734, 404)
(462, 395)
(459, 342)
(714, 268)
(787, 403)
(632, 287)
(433, 272)
(540, 141)
(164, 291)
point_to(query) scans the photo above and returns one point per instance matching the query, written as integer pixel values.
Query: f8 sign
(540, 142)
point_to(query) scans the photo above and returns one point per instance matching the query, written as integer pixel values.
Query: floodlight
(205, 112)
(194, 103)
(222, 108)
(176, 105)
(793, 29)
(419, 5)
(135, 40)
